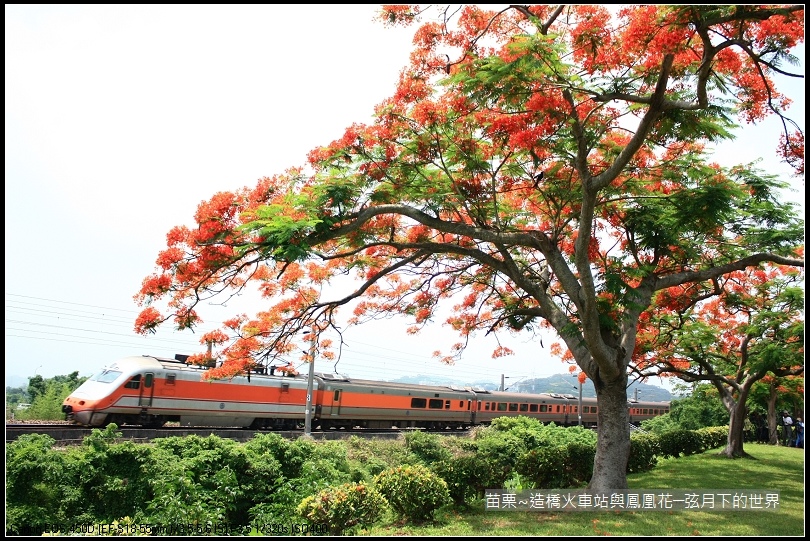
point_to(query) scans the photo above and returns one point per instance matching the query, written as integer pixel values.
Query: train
(151, 391)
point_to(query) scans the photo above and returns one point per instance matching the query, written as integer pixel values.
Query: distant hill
(559, 384)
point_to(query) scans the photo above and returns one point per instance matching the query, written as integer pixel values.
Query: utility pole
(502, 381)
(579, 408)
(308, 412)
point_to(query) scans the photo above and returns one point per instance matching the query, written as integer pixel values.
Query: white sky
(120, 120)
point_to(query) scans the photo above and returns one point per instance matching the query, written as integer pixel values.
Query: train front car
(149, 391)
(108, 393)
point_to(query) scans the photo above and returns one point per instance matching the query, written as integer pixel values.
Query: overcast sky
(120, 120)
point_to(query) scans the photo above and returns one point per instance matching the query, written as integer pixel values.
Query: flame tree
(535, 166)
(751, 325)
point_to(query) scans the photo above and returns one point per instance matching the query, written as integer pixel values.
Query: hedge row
(270, 480)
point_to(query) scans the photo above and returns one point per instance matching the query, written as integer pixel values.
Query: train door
(147, 390)
(336, 395)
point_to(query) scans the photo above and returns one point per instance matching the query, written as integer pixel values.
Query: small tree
(752, 326)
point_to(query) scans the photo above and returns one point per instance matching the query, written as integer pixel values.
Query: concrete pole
(308, 411)
(579, 408)
(502, 382)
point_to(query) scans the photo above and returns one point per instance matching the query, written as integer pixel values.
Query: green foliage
(659, 424)
(14, 397)
(563, 458)
(112, 478)
(377, 455)
(343, 507)
(199, 480)
(468, 475)
(35, 475)
(413, 491)
(712, 437)
(644, 451)
(680, 442)
(47, 395)
(427, 447)
(702, 408)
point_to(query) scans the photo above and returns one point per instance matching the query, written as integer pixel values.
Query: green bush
(113, 477)
(557, 465)
(644, 451)
(414, 492)
(468, 476)
(712, 437)
(35, 477)
(200, 480)
(343, 507)
(427, 447)
(681, 442)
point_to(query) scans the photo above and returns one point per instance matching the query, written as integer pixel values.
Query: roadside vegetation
(420, 484)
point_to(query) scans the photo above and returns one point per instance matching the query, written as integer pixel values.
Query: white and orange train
(150, 391)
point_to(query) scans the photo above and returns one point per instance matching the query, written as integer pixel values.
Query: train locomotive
(151, 391)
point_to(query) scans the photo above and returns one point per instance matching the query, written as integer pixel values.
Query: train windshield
(106, 376)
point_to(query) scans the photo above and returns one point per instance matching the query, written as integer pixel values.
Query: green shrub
(644, 451)
(343, 507)
(414, 492)
(468, 476)
(199, 480)
(35, 477)
(427, 447)
(712, 437)
(113, 477)
(681, 442)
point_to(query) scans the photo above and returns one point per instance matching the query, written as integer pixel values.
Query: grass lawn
(768, 468)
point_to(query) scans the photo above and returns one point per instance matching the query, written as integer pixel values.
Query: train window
(486, 406)
(170, 379)
(469, 403)
(501, 406)
(644, 411)
(461, 404)
(543, 408)
(447, 405)
(106, 376)
(337, 396)
(418, 402)
(134, 383)
(285, 387)
(558, 409)
(436, 403)
(513, 407)
(533, 408)
(524, 407)
(147, 380)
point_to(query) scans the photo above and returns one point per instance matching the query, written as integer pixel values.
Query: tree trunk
(736, 431)
(773, 436)
(613, 442)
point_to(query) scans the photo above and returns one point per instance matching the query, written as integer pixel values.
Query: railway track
(68, 434)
